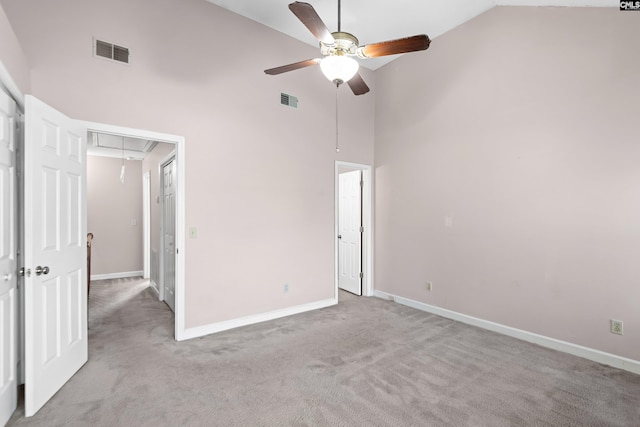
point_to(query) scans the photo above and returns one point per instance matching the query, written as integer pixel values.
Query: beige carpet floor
(364, 362)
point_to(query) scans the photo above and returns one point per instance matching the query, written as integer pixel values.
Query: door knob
(7, 277)
(339, 236)
(41, 270)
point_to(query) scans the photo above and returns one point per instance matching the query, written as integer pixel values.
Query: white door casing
(169, 232)
(8, 260)
(350, 231)
(146, 224)
(56, 343)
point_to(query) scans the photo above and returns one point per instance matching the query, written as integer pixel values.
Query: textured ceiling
(375, 20)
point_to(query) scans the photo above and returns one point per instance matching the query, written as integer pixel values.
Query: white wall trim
(367, 223)
(552, 343)
(10, 85)
(154, 288)
(257, 318)
(121, 275)
(146, 224)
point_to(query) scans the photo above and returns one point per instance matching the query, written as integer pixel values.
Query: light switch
(134, 222)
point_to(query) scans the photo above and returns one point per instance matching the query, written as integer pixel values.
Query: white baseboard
(121, 275)
(154, 287)
(212, 328)
(552, 343)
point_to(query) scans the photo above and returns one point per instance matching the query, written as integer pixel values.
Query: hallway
(126, 321)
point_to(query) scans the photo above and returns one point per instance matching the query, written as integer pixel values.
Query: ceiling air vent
(111, 51)
(288, 100)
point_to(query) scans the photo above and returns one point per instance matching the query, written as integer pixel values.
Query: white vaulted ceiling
(375, 20)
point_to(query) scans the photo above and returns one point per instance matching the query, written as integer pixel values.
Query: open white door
(55, 257)
(8, 263)
(169, 233)
(350, 231)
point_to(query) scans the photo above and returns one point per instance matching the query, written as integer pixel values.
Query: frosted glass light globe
(339, 69)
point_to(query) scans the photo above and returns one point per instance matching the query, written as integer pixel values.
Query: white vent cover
(111, 51)
(288, 100)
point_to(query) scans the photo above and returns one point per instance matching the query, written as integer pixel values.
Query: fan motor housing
(345, 44)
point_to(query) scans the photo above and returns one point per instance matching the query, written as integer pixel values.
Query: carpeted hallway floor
(365, 362)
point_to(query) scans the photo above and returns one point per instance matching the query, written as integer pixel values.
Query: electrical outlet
(616, 326)
(429, 286)
(285, 288)
(193, 233)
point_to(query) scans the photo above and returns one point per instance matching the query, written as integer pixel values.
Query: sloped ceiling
(375, 20)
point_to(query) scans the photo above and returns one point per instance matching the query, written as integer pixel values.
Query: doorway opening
(119, 209)
(176, 145)
(353, 229)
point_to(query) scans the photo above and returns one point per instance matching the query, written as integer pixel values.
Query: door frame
(146, 224)
(10, 85)
(367, 224)
(12, 313)
(179, 142)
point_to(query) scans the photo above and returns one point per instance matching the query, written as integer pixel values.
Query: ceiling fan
(339, 48)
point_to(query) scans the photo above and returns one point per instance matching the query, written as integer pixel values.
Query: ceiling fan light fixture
(339, 68)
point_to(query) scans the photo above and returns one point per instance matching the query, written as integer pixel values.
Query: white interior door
(350, 232)
(56, 343)
(8, 263)
(169, 228)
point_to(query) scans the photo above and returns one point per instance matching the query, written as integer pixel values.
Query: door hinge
(361, 275)
(361, 229)
(361, 183)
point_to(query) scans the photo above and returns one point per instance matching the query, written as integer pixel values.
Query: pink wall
(516, 126)
(260, 176)
(111, 205)
(521, 127)
(11, 54)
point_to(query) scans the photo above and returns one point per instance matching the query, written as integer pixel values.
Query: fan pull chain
(339, 17)
(337, 147)
(122, 167)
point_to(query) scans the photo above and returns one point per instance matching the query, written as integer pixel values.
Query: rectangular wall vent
(111, 51)
(288, 100)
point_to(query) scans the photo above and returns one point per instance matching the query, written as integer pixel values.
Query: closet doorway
(353, 229)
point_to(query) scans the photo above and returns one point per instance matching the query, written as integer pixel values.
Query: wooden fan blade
(357, 85)
(309, 17)
(291, 67)
(393, 47)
